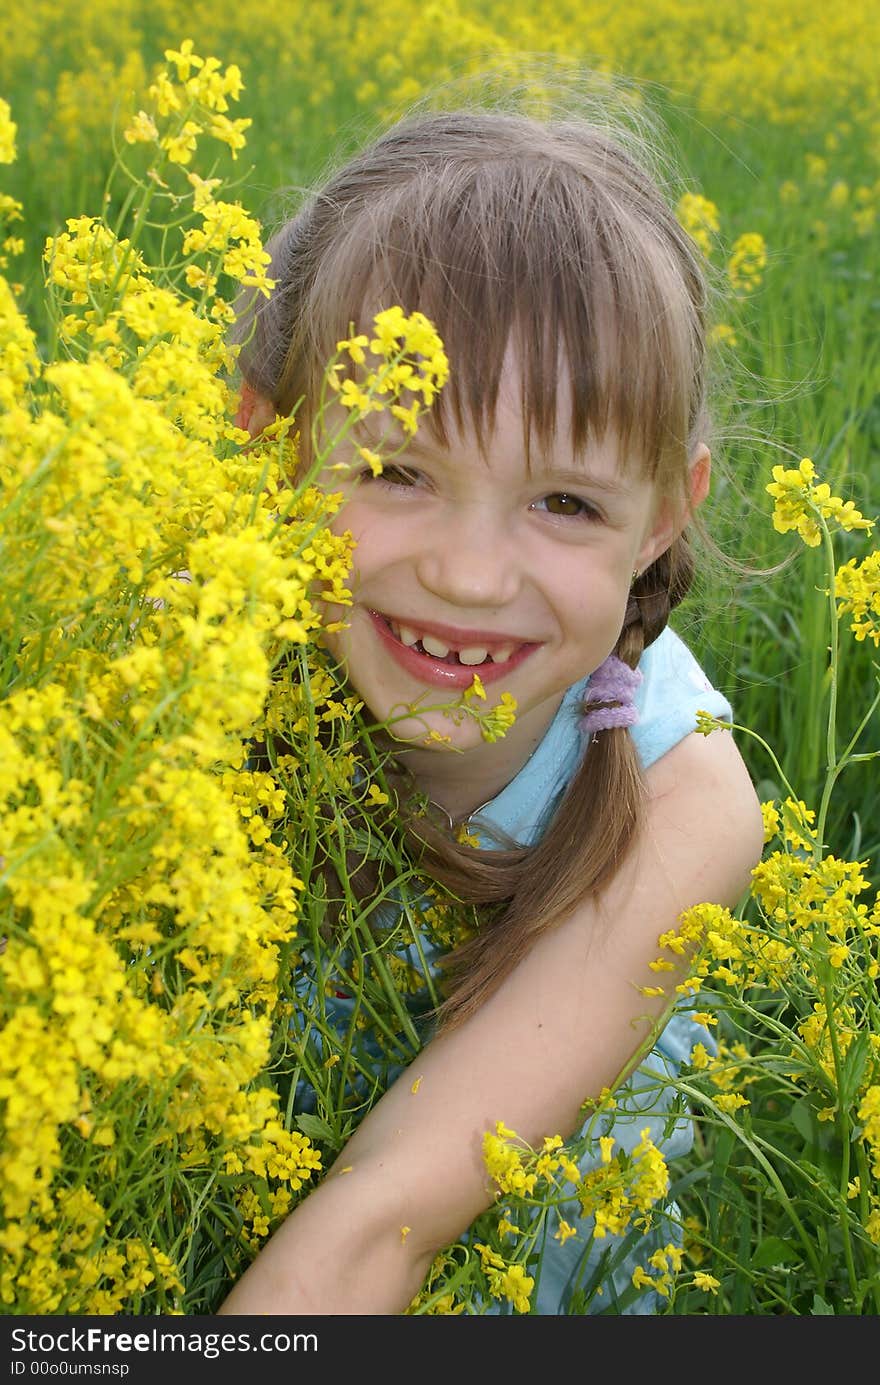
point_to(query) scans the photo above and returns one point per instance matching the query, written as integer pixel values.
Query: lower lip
(427, 669)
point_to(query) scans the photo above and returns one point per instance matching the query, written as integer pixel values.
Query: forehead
(508, 426)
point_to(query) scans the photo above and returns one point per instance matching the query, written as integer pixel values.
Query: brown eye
(563, 504)
(567, 506)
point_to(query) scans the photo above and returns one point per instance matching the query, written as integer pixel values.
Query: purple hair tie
(609, 696)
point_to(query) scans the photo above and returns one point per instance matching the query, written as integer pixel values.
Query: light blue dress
(672, 690)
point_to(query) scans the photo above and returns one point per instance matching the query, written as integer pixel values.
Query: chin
(436, 732)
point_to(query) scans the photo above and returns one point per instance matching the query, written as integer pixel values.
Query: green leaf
(774, 1251)
(853, 1069)
(820, 1308)
(803, 1118)
(315, 1128)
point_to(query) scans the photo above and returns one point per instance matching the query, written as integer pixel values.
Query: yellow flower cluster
(154, 575)
(411, 363)
(625, 1188)
(497, 720)
(803, 504)
(508, 1281)
(666, 1262)
(748, 260)
(857, 589)
(700, 219)
(516, 1168)
(619, 1193)
(194, 105)
(88, 262)
(815, 944)
(231, 241)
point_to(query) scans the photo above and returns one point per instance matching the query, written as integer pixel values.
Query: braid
(654, 594)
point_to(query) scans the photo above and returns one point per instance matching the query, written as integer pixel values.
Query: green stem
(831, 759)
(843, 1133)
(748, 731)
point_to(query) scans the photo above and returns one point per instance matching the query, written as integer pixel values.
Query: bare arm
(561, 1027)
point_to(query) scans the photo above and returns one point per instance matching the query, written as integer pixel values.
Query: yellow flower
(770, 814)
(179, 148)
(8, 130)
(499, 720)
(355, 348)
(203, 189)
(730, 1101)
(722, 334)
(229, 132)
(798, 821)
(184, 59)
(142, 129)
(706, 723)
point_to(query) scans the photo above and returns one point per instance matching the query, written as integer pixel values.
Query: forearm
(342, 1251)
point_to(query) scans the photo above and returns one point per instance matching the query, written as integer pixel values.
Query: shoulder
(703, 806)
(673, 689)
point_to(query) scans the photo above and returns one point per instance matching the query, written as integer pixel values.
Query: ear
(255, 411)
(701, 470)
(672, 519)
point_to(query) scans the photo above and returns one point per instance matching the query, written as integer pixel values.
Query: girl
(534, 531)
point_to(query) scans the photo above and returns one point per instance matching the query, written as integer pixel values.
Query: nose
(467, 557)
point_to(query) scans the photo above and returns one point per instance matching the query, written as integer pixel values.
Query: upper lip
(454, 635)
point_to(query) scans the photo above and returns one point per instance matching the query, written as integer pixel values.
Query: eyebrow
(557, 476)
(569, 476)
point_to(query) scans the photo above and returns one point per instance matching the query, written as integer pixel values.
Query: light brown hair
(551, 237)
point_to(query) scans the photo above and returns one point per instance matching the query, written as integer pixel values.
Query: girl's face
(464, 565)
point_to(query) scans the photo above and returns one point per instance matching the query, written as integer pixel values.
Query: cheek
(595, 604)
(379, 545)
(355, 520)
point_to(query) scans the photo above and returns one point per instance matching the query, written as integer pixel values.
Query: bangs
(526, 241)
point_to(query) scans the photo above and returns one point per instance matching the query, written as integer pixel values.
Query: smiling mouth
(467, 656)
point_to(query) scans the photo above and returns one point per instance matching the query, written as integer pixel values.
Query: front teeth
(471, 655)
(435, 647)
